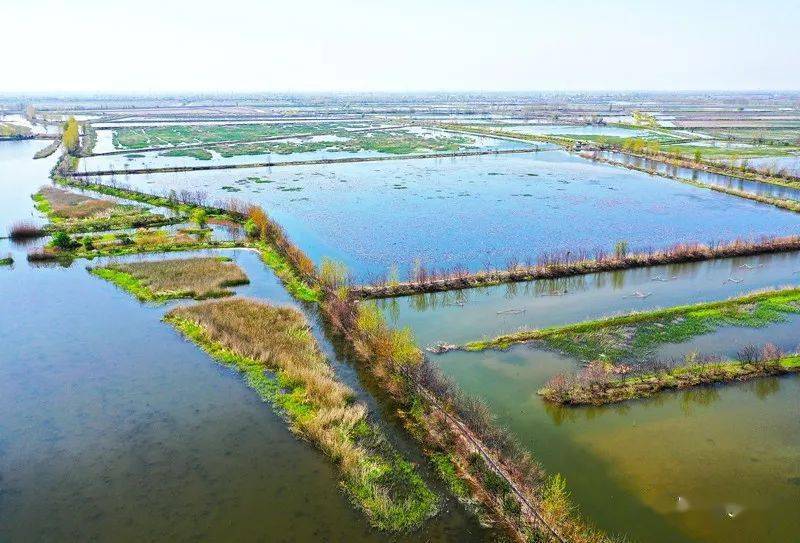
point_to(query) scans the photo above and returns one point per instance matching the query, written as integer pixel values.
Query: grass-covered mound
(254, 337)
(160, 280)
(74, 212)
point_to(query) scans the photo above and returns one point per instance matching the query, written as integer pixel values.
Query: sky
(161, 46)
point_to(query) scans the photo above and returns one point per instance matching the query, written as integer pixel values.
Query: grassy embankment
(598, 384)
(161, 280)
(572, 263)
(65, 248)
(71, 212)
(251, 337)
(198, 153)
(48, 150)
(634, 335)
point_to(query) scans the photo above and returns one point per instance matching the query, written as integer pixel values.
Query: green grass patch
(198, 153)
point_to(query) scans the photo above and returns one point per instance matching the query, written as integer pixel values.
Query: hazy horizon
(360, 47)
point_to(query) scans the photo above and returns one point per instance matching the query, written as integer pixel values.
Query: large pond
(718, 464)
(115, 427)
(478, 211)
(471, 314)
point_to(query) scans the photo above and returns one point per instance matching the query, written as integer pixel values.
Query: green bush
(251, 228)
(62, 240)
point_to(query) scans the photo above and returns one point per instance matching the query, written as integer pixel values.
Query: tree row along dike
(176, 169)
(783, 203)
(560, 267)
(232, 142)
(571, 144)
(480, 462)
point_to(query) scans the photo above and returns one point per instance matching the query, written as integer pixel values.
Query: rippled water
(470, 314)
(479, 211)
(114, 427)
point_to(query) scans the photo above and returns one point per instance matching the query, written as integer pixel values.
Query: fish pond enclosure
(440, 318)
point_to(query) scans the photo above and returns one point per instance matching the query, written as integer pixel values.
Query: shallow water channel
(471, 314)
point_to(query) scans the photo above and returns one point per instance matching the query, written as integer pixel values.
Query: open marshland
(658, 400)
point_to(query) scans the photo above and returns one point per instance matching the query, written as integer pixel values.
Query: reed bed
(469, 450)
(570, 263)
(255, 337)
(25, 230)
(160, 280)
(72, 212)
(601, 383)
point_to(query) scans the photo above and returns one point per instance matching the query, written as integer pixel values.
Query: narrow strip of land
(176, 169)
(607, 389)
(678, 254)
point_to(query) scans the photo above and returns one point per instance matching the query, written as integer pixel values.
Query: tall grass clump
(25, 230)
(161, 280)
(255, 337)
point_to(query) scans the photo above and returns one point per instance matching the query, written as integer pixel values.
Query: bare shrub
(24, 230)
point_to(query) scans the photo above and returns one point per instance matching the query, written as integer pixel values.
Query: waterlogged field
(437, 212)
(712, 464)
(458, 317)
(339, 144)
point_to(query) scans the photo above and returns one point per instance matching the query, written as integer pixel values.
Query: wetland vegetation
(161, 280)
(72, 212)
(473, 413)
(634, 335)
(600, 383)
(252, 337)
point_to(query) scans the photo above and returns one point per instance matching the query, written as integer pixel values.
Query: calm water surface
(479, 211)
(718, 464)
(115, 427)
(745, 185)
(471, 314)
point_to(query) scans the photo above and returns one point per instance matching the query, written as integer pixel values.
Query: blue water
(480, 211)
